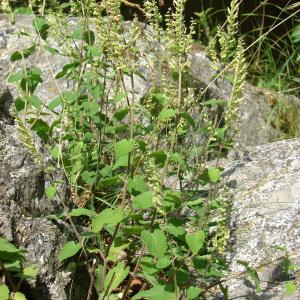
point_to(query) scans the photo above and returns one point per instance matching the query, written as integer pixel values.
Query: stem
(92, 275)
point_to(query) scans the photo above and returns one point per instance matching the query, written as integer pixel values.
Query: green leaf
(34, 101)
(92, 107)
(89, 37)
(137, 184)
(214, 102)
(88, 177)
(15, 77)
(41, 128)
(143, 200)
(19, 296)
(51, 50)
(30, 272)
(77, 33)
(195, 241)
(4, 292)
(167, 114)
(55, 103)
(17, 55)
(156, 293)
(124, 147)
(188, 118)
(68, 250)
(214, 174)
(66, 69)
(119, 97)
(163, 263)
(156, 242)
(121, 114)
(6, 246)
(77, 212)
(116, 276)
(252, 273)
(50, 191)
(108, 216)
(121, 162)
(175, 228)
(192, 292)
(19, 104)
(291, 288)
(23, 11)
(41, 26)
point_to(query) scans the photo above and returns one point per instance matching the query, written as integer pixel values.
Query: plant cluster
(153, 214)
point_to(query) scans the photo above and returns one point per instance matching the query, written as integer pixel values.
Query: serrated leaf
(137, 184)
(163, 263)
(143, 200)
(108, 216)
(195, 241)
(214, 174)
(124, 147)
(69, 249)
(156, 242)
(4, 292)
(50, 191)
(167, 114)
(192, 292)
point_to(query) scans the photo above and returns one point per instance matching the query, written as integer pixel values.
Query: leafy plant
(153, 215)
(12, 273)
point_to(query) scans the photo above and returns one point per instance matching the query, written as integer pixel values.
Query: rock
(265, 195)
(23, 206)
(257, 108)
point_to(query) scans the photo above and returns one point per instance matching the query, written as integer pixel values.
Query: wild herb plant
(153, 222)
(12, 273)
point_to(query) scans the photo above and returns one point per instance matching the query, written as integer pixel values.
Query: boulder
(258, 110)
(264, 189)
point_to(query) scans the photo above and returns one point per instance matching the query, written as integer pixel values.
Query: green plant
(156, 224)
(12, 273)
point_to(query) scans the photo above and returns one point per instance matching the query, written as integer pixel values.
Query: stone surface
(256, 109)
(265, 188)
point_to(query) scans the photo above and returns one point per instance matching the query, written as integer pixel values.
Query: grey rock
(256, 109)
(264, 215)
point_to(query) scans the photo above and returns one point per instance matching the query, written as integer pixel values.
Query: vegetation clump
(153, 213)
